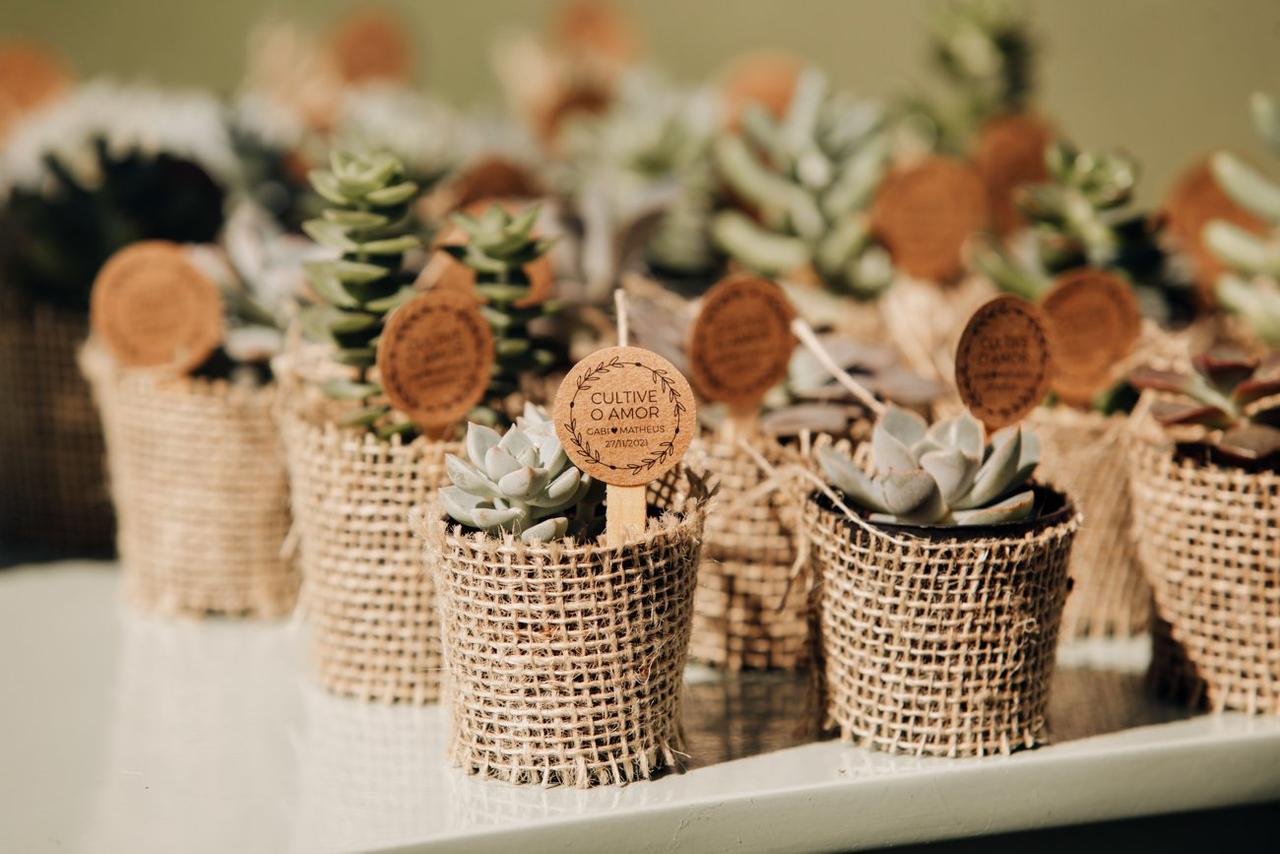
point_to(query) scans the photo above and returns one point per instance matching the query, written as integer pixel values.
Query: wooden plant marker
(1003, 362)
(625, 416)
(1094, 323)
(153, 308)
(434, 359)
(740, 346)
(925, 212)
(1010, 154)
(1193, 202)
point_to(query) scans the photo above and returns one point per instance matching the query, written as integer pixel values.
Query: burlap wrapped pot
(371, 609)
(53, 490)
(940, 644)
(747, 613)
(198, 478)
(1084, 453)
(1208, 539)
(566, 660)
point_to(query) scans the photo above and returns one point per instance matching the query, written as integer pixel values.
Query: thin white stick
(805, 333)
(620, 305)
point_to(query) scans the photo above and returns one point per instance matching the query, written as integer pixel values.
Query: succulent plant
(985, 53)
(810, 178)
(368, 225)
(499, 247)
(1234, 398)
(1080, 218)
(1252, 288)
(944, 475)
(520, 483)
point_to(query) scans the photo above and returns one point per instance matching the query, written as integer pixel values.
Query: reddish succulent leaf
(1150, 378)
(1256, 389)
(1252, 442)
(1169, 412)
(1225, 367)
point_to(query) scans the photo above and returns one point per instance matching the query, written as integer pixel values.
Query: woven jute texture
(370, 606)
(566, 661)
(198, 478)
(53, 492)
(1084, 453)
(937, 646)
(1208, 539)
(746, 614)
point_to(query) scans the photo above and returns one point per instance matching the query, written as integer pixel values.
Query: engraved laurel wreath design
(659, 377)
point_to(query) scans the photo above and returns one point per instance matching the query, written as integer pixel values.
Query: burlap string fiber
(1208, 539)
(939, 646)
(370, 606)
(746, 612)
(53, 492)
(198, 477)
(1084, 453)
(566, 660)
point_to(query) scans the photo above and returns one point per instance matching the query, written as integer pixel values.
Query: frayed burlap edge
(746, 614)
(565, 660)
(1209, 542)
(198, 477)
(53, 488)
(1085, 454)
(937, 647)
(370, 607)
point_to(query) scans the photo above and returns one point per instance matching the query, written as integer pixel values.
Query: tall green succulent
(368, 222)
(520, 483)
(1081, 217)
(811, 177)
(943, 475)
(499, 247)
(1252, 288)
(985, 53)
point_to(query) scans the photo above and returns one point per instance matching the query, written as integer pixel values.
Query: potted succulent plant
(565, 653)
(105, 166)
(941, 578)
(1251, 287)
(194, 458)
(1080, 230)
(1205, 468)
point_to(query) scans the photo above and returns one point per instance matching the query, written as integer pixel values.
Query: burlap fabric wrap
(937, 646)
(1209, 542)
(198, 478)
(53, 491)
(566, 661)
(747, 613)
(1084, 453)
(370, 606)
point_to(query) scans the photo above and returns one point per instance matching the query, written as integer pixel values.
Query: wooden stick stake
(625, 507)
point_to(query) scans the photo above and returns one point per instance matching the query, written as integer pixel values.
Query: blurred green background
(1165, 79)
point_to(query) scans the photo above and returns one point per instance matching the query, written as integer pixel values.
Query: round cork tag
(152, 307)
(741, 340)
(625, 415)
(1009, 154)
(764, 77)
(1003, 363)
(370, 46)
(1094, 322)
(1195, 201)
(924, 214)
(30, 75)
(492, 177)
(435, 356)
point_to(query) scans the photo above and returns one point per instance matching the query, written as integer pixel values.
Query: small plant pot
(1208, 539)
(198, 479)
(566, 660)
(374, 630)
(53, 488)
(747, 612)
(940, 641)
(1085, 455)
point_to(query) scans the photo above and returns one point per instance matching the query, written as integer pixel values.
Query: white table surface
(122, 733)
